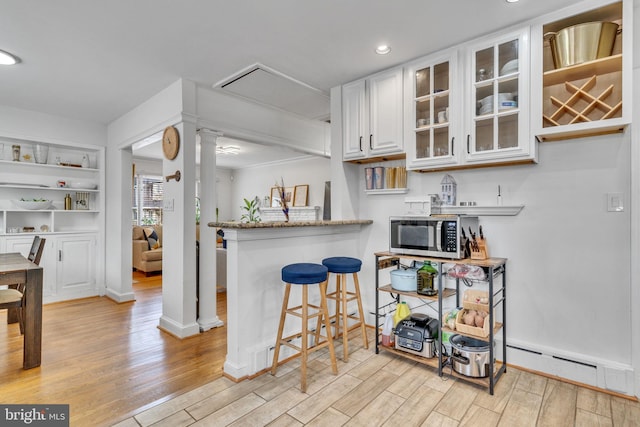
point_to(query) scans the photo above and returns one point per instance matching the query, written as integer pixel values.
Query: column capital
(208, 135)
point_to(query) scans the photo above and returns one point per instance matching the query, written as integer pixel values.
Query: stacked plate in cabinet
(505, 102)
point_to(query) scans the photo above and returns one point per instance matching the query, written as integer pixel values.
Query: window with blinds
(147, 200)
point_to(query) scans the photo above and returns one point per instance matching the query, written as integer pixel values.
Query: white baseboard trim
(118, 297)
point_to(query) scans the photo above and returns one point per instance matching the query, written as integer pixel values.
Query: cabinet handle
(360, 143)
(370, 141)
(59, 255)
(468, 139)
(453, 140)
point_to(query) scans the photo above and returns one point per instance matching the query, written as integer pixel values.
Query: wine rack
(593, 103)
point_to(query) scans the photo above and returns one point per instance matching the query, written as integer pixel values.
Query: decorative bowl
(509, 67)
(33, 204)
(85, 185)
(503, 96)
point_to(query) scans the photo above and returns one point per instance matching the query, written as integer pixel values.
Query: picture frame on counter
(276, 198)
(301, 195)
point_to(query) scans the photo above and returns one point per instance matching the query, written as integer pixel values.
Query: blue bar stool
(305, 274)
(341, 266)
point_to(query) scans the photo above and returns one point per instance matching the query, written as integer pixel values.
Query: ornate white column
(208, 317)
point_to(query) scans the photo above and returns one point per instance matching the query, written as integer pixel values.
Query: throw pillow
(152, 237)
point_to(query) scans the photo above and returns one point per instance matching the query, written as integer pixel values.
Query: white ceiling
(249, 154)
(96, 60)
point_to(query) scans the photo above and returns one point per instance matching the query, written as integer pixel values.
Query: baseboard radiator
(603, 374)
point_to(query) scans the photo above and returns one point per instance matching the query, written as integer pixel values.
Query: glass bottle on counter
(426, 275)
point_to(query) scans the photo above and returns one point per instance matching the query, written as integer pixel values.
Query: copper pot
(582, 42)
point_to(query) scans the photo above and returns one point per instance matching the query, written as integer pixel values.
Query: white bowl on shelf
(503, 96)
(32, 205)
(85, 185)
(487, 109)
(509, 67)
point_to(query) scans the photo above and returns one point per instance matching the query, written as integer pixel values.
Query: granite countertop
(281, 224)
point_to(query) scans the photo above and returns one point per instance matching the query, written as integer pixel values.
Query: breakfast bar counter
(256, 253)
(289, 224)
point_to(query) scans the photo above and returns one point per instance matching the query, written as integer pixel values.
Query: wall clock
(170, 142)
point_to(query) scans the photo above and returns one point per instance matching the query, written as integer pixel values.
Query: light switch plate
(168, 205)
(615, 202)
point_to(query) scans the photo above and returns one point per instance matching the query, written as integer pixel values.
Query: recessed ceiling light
(229, 149)
(8, 59)
(383, 49)
(512, 1)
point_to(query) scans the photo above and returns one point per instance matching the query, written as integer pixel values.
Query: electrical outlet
(615, 202)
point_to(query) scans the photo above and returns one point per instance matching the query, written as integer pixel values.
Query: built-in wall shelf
(387, 191)
(478, 210)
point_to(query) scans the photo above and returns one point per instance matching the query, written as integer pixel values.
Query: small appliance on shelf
(416, 334)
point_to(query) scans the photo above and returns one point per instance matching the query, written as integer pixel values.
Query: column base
(206, 324)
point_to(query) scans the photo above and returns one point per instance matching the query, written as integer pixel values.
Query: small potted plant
(250, 209)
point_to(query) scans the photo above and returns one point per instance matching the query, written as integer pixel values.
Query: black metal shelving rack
(497, 298)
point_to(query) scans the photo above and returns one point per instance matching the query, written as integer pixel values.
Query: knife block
(481, 252)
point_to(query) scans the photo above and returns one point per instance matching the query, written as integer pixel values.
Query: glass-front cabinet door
(498, 100)
(430, 112)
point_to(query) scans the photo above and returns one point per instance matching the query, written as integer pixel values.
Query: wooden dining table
(14, 269)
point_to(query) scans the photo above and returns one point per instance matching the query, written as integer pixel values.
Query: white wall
(25, 124)
(224, 190)
(150, 117)
(148, 167)
(257, 181)
(569, 262)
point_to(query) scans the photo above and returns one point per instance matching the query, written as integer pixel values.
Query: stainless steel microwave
(434, 236)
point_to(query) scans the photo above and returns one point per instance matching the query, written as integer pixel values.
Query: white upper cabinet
(372, 117)
(433, 116)
(497, 101)
(354, 120)
(489, 101)
(473, 114)
(581, 71)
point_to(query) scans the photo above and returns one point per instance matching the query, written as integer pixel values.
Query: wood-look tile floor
(386, 390)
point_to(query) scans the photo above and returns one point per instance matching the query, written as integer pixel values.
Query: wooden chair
(36, 250)
(13, 297)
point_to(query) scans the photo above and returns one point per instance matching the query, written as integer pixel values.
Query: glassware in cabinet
(428, 97)
(498, 128)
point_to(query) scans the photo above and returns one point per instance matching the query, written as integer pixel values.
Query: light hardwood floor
(113, 365)
(108, 360)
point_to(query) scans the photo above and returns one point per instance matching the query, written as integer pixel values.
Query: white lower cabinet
(75, 272)
(22, 244)
(68, 263)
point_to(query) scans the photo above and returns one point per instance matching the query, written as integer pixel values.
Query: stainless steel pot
(583, 42)
(470, 356)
